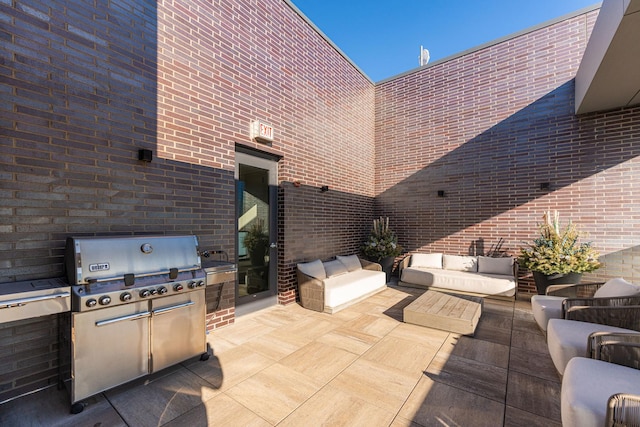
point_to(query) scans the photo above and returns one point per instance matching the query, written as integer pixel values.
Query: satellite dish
(424, 56)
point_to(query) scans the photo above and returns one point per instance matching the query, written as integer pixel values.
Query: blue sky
(383, 37)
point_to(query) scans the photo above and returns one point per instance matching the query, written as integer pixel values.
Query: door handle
(273, 245)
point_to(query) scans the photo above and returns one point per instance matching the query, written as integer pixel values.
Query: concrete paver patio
(289, 366)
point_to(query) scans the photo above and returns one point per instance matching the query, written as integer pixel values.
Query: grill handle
(134, 316)
(171, 308)
(24, 301)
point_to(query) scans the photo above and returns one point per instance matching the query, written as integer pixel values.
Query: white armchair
(605, 390)
(559, 298)
(567, 339)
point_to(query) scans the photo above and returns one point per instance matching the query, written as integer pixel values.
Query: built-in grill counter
(33, 298)
(219, 272)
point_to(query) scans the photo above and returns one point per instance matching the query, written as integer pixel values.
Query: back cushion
(426, 260)
(617, 288)
(334, 268)
(352, 262)
(460, 263)
(491, 265)
(314, 269)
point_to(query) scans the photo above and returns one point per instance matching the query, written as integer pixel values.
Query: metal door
(177, 329)
(256, 201)
(109, 347)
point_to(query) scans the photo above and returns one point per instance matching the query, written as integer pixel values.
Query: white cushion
(486, 284)
(495, 265)
(545, 307)
(345, 288)
(352, 262)
(334, 268)
(617, 288)
(586, 387)
(314, 269)
(460, 263)
(567, 339)
(426, 260)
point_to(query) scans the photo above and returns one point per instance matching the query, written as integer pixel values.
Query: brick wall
(488, 128)
(85, 85)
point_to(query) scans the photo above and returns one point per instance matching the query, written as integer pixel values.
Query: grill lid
(89, 259)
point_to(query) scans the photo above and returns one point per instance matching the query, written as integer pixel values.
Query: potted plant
(556, 257)
(256, 241)
(382, 245)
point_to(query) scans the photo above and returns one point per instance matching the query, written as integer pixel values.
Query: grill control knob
(162, 290)
(200, 283)
(192, 285)
(125, 296)
(152, 291)
(91, 302)
(105, 300)
(145, 293)
(178, 287)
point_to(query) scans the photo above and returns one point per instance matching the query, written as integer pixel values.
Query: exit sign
(261, 131)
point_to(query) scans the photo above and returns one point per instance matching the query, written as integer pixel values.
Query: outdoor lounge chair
(603, 390)
(559, 298)
(569, 337)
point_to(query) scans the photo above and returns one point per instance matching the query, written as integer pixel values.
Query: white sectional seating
(474, 275)
(333, 285)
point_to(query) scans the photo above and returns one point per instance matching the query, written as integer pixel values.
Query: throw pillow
(490, 265)
(314, 269)
(334, 268)
(352, 262)
(426, 260)
(460, 263)
(617, 288)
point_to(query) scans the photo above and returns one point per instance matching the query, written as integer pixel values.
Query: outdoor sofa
(463, 274)
(333, 285)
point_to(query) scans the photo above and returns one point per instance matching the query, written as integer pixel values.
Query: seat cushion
(334, 268)
(426, 260)
(586, 387)
(313, 269)
(567, 339)
(352, 262)
(546, 307)
(493, 265)
(617, 287)
(460, 263)
(462, 281)
(339, 290)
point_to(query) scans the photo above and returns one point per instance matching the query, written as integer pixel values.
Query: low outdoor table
(445, 311)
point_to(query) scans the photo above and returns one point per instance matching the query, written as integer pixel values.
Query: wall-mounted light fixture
(145, 155)
(440, 193)
(545, 186)
(324, 188)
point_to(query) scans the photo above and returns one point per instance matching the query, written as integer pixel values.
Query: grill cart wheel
(204, 356)
(76, 408)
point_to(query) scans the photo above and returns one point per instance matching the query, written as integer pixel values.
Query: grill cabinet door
(177, 329)
(109, 347)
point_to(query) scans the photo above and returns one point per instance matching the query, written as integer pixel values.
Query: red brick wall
(240, 61)
(85, 85)
(488, 128)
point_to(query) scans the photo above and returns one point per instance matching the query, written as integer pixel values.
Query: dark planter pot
(257, 253)
(543, 280)
(387, 266)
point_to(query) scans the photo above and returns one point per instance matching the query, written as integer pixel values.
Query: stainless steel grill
(138, 306)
